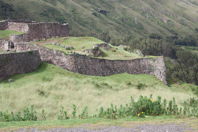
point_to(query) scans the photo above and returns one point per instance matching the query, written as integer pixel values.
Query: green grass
(51, 87)
(4, 34)
(81, 44)
(97, 123)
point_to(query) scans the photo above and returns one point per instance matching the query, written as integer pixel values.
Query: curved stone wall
(100, 67)
(17, 63)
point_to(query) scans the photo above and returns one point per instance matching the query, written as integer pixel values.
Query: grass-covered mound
(4, 34)
(51, 87)
(82, 45)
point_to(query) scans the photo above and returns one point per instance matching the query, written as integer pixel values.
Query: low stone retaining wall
(17, 63)
(99, 67)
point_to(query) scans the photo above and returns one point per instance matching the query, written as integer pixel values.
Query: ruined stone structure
(99, 67)
(28, 61)
(7, 45)
(34, 31)
(16, 63)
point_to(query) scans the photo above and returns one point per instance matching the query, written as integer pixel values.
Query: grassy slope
(81, 44)
(126, 17)
(51, 87)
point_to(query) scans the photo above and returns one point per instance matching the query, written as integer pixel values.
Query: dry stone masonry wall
(17, 63)
(99, 67)
(34, 31)
(39, 31)
(20, 27)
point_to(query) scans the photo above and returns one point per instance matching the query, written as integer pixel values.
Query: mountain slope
(118, 18)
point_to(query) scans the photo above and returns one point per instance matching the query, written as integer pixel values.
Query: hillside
(118, 19)
(51, 87)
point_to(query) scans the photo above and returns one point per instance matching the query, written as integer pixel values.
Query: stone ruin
(32, 31)
(74, 62)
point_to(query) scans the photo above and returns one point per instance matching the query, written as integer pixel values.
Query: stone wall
(39, 31)
(17, 63)
(3, 25)
(99, 67)
(16, 26)
(6, 45)
(2, 44)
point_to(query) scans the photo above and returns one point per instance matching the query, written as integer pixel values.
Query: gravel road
(142, 128)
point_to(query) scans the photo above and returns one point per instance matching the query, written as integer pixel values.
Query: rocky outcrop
(17, 63)
(99, 67)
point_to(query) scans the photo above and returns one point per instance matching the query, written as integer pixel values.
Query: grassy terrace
(51, 87)
(81, 44)
(4, 34)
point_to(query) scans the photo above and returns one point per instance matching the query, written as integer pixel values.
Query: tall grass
(52, 87)
(144, 106)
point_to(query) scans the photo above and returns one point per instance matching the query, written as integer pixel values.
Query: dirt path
(141, 128)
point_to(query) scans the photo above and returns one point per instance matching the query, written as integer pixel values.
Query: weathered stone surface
(3, 25)
(96, 52)
(6, 45)
(16, 26)
(34, 31)
(17, 63)
(39, 31)
(100, 67)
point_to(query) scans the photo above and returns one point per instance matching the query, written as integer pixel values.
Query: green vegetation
(181, 63)
(124, 18)
(143, 107)
(4, 34)
(81, 45)
(52, 87)
(193, 49)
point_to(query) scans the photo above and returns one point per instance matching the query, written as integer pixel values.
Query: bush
(141, 86)
(148, 106)
(62, 114)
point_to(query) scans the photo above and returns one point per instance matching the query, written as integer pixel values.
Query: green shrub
(148, 106)
(141, 86)
(84, 113)
(74, 111)
(63, 114)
